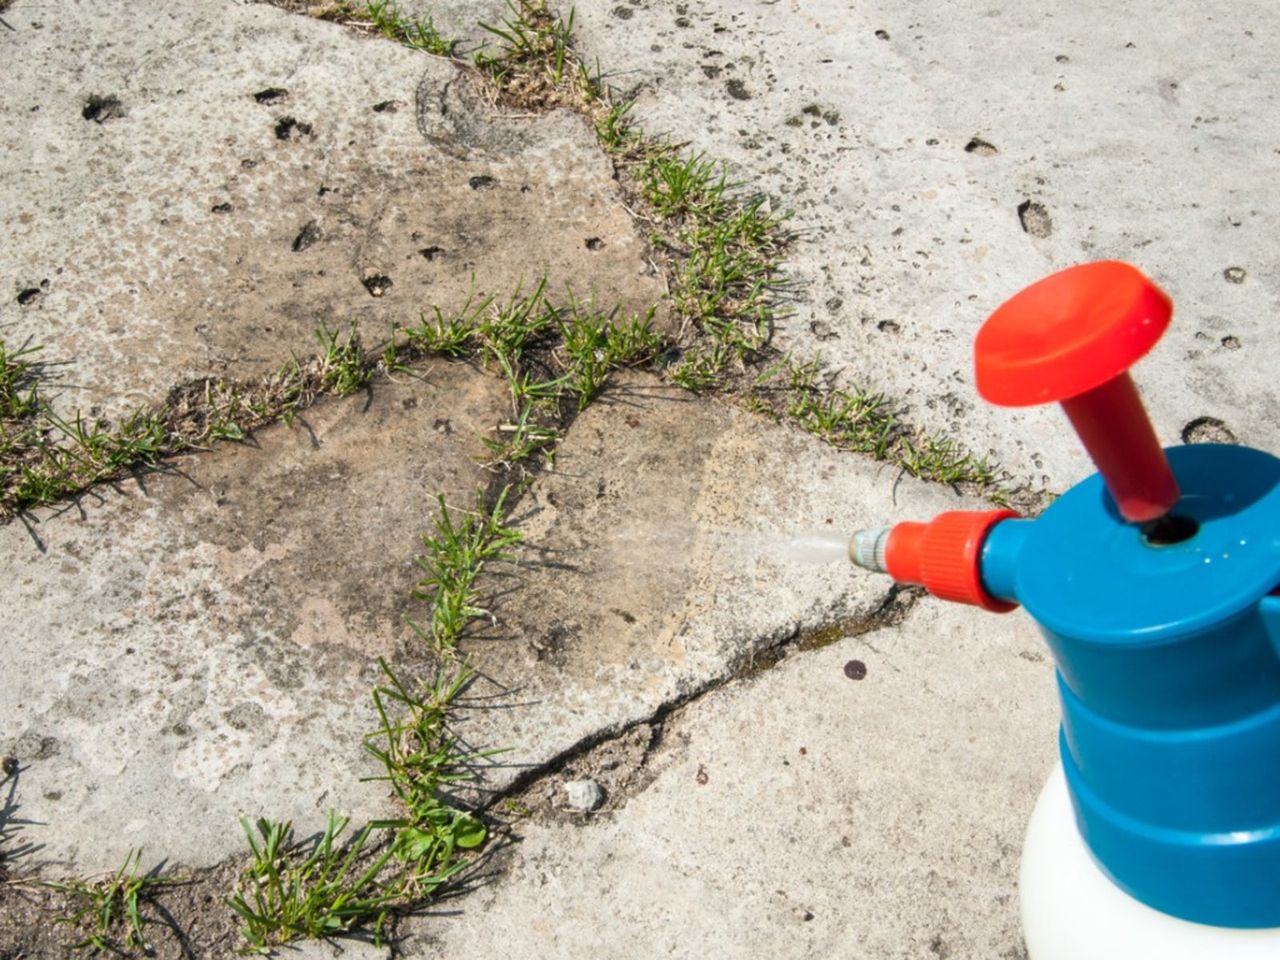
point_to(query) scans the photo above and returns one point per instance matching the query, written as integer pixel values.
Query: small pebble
(584, 795)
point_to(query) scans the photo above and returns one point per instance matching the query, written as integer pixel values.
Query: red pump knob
(1072, 337)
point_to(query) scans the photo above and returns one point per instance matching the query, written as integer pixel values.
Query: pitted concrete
(193, 191)
(194, 644)
(675, 542)
(803, 814)
(906, 139)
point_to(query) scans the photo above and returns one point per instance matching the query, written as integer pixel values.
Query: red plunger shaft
(1117, 432)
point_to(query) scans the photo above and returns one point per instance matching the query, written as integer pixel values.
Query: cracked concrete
(201, 644)
(215, 218)
(201, 185)
(801, 813)
(907, 139)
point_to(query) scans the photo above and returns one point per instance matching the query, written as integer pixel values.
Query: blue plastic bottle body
(1169, 679)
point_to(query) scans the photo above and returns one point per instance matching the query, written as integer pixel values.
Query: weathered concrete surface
(259, 174)
(666, 551)
(206, 645)
(803, 814)
(1139, 131)
(202, 644)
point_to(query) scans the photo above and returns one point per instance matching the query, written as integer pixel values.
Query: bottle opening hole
(1168, 530)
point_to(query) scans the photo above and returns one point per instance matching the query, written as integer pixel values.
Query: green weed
(421, 758)
(17, 382)
(507, 331)
(312, 890)
(456, 555)
(112, 908)
(343, 369)
(532, 39)
(701, 368)
(677, 187)
(596, 343)
(418, 34)
(614, 130)
(522, 440)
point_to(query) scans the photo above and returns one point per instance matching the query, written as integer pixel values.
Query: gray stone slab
(202, 644)
(1142, 130)
(675, 541)
(168, 238)
(802, 814)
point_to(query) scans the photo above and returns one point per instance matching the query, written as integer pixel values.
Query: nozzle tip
(866, 548)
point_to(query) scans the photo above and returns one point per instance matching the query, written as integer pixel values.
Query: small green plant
(446, 337)
(506, 331)
(701, 369)
(343, 369)
(17, 382)
(531, 37)
(941, 459)
(519, 441)
(312, 890)
(418, 34)
(596, 343)
(112, 908)
(421, 758)
(614, 129)
(693, 185)
(454, 560)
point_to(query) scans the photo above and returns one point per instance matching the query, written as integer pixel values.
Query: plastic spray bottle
(1154, 583)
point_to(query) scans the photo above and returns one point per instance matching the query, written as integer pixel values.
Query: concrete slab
(802, 814)
(202, 644)
(675, 543)
(205, 645)
(192, 191)
(908, 138)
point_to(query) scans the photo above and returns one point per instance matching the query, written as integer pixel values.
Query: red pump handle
(1072, 337)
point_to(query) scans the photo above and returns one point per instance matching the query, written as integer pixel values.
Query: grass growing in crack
(455, 557)
(504, 332)
(343, 368)
(520, 441)
(688, 186)
(596, 343)
(417, 33)
(112, 908)
(422, 760)
(17, 382)
(857, 420)
(320, 889)
(536, 57)
(614, 130)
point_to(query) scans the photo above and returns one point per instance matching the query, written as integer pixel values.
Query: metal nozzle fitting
(866, 548)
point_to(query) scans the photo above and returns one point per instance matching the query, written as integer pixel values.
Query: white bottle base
(1072, 911)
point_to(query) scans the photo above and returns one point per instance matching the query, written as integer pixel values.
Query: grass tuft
(318, 889)
(455, 557)
(112, 908)
(417, 33)
(422, 760)
(343, 368)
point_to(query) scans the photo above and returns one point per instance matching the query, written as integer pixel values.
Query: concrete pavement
(795, 759)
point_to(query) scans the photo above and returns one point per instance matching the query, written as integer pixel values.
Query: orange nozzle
(943, 555)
